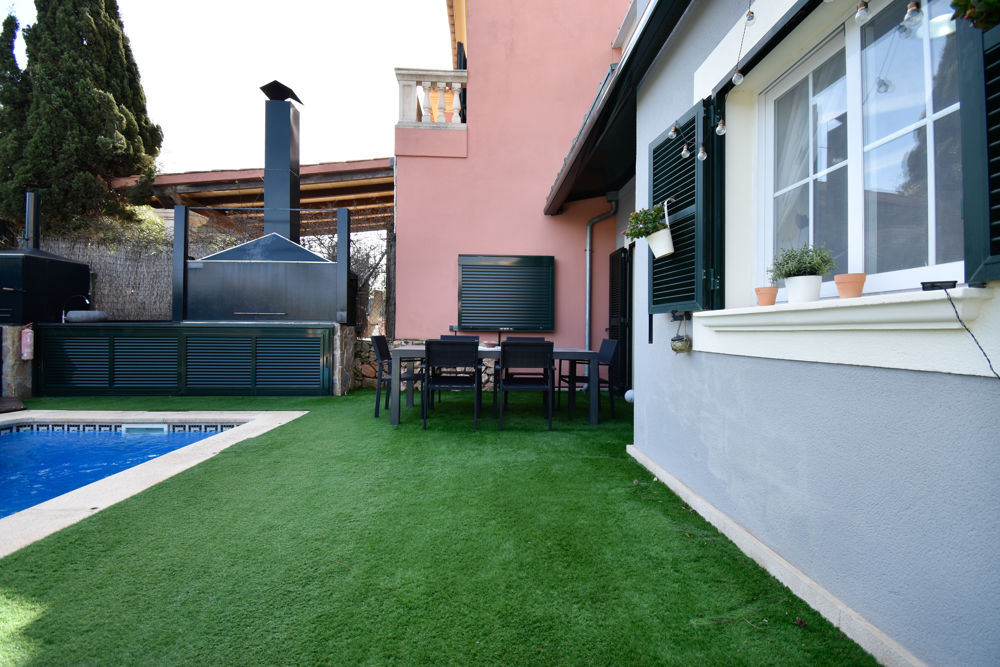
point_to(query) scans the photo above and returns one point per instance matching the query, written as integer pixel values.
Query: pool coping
(29, 525)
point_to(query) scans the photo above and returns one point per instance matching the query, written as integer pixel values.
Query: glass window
(865, 149)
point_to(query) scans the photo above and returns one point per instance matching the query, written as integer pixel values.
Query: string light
(685, 153)
(750, 18)
(720, 129)
(672, 134)
(863, 13)
(737, 78)
(737, 75)
(702, 155)
(914, 17)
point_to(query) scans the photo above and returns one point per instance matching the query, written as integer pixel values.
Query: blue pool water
(37, 466)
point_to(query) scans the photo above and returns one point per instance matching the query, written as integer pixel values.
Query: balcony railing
(437, 104)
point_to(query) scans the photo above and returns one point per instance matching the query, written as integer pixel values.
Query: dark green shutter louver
(506, 292)
(689, 278)
(979, 64)
(289, 363)
(145, 362)
(220, 362)
(76, 362)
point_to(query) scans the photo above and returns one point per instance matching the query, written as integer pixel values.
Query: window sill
(911, 330)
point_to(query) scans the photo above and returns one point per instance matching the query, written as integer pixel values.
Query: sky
(202, 63)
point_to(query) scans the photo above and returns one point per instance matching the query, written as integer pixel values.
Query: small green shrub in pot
(809, 260)
(645, 221)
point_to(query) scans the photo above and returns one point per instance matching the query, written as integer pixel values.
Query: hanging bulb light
(720, 129)
(685, 152)
(672, 134)
(737, 78)
(863, 13)
(750, 18)
(884, 85)
(702, 155)
(914, 16)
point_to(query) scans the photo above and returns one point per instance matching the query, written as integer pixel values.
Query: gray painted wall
(881, 485)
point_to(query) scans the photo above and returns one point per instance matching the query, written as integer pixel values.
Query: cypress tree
(85, 119)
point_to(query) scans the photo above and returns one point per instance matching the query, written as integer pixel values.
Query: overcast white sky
(202, 63)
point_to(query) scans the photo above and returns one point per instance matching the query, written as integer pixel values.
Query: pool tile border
(22, 528)
(83, 427)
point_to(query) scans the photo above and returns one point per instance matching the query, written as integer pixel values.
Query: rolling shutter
(689, 279)
(506, 293)
(979, 64)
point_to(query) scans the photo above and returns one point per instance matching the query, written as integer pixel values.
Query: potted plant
(802, 269)
(651, 223)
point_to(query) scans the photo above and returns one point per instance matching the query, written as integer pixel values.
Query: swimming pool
(41, 461)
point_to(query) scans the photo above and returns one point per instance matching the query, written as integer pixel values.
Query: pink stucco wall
(534, 69)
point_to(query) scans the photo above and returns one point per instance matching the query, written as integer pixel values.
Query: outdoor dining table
(413, 353)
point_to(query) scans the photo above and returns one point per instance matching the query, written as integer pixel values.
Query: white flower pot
(803, 289)
(661, 243)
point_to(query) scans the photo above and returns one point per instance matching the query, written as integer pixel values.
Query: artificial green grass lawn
(339, 539)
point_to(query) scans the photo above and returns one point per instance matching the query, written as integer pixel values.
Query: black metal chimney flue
(32, 221)
(281, 162)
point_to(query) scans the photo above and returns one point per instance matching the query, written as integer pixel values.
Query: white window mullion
(811, 178)
(855, 151)
(923, 34)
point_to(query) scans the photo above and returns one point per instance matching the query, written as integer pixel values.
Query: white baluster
(441, 87)
(427, 101)
(408, 101)
(456, 103)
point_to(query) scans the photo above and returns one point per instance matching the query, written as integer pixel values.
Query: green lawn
(339, 539)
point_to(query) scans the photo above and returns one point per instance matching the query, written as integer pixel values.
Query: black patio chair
(383, 357)
(525, 366)
(452, 365)
(605, 357)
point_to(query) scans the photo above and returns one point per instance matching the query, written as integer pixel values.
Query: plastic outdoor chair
(452, 365)
(525, 366)
(383, 357)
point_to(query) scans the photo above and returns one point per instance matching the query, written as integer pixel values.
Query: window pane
(948, 189)
(892, 63)
(791, 219)
(830, 216)
(896, 204)
(830, 112)
(791, 136)
(944, 53)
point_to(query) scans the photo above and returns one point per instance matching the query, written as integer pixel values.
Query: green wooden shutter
(690, 278)
(979, 64)
(506, 292)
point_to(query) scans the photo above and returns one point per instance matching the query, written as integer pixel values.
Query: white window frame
(847, 35)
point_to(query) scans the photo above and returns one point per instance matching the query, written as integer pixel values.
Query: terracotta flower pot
(766, 295)
(849, 284)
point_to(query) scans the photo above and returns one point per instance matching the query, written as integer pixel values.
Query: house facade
(469, 178)
(848, 445)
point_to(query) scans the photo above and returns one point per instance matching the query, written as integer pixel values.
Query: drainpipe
(613, 198)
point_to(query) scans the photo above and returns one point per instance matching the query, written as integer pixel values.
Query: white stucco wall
(871, 480)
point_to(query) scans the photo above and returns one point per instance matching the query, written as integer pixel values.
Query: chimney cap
(279, 91)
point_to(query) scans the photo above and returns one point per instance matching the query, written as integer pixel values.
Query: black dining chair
(383, 358)
(525, 366)
(605, 357)
(452, 365)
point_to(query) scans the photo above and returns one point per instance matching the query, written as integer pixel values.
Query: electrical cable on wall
(965, 326)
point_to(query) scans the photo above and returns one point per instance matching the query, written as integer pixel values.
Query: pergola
(365, 187)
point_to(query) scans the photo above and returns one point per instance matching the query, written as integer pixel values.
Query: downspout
(613, 198)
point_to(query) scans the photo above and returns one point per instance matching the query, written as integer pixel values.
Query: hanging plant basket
(661, 243)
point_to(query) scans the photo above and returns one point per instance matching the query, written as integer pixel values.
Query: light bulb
(914, 17)
(883, 85)
(702, 155)
(737, 78)
(720, 129)
(750, 18)
(672, 134)
(685, 152)
(863, 13)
